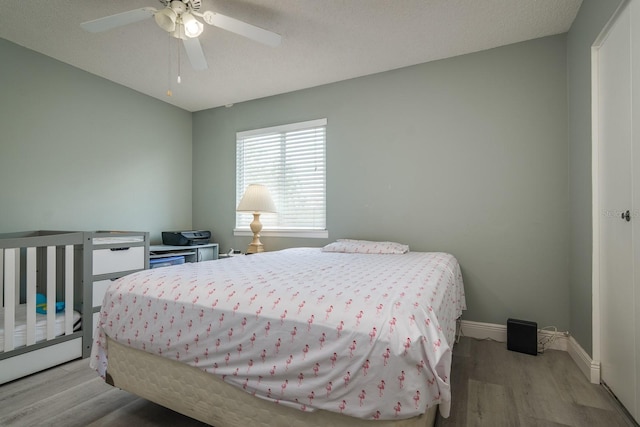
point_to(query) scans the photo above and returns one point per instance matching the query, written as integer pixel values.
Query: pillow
(365, 247)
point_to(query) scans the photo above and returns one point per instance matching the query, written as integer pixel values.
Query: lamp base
(256, 245)
(255, 248)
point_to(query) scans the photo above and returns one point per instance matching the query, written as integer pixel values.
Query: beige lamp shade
(256, 198)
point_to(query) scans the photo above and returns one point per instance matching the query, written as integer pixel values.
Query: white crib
(48, 263)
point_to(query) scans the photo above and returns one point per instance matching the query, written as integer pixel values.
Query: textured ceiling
(323, 41)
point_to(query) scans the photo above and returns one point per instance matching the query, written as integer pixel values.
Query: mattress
(364, 335)
(20, 330)
(186, 390)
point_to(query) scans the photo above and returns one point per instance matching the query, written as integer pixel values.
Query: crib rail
(38, 262)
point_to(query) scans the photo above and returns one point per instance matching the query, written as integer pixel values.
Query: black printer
(186, 238)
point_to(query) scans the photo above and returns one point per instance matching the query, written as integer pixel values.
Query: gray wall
(79, 152)
(593, 16)
(466, 155)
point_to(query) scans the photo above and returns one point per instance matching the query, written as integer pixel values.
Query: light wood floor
(491, 387)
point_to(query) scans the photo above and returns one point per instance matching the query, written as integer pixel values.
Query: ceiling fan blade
(242, 28)
(118, 20)
(195, 54)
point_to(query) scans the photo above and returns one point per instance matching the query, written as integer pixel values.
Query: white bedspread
(361, 334)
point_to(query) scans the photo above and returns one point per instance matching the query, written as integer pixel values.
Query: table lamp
(256, 199)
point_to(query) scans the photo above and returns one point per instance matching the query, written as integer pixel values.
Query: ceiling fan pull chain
(179, 78)
(169, 91)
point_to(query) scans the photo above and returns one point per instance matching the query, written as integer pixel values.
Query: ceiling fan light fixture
(181, 20)
(166, 19)
(192, 27)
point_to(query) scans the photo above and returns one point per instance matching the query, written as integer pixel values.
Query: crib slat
(51, 292)
(31, 295)
(2, 277)
(16, 280)
(10, 256)
(68, 286)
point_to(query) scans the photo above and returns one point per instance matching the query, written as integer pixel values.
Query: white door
(617, 296)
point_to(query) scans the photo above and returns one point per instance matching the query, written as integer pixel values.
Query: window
(291, 161)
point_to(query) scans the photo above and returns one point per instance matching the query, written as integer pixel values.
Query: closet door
(617, 296)
(635, 184)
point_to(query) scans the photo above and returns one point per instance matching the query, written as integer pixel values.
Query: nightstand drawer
(119, 259)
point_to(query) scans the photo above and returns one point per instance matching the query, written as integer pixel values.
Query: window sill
(316, 234)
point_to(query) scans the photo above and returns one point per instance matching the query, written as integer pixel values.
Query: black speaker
(522, 336)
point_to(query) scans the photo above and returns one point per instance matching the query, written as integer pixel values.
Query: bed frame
(49, 263)
(189, 391)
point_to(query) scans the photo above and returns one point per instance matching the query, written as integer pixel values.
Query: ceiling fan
(179, 19)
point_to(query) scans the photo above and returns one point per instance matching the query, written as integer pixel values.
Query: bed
(48, 263)
(356, 333)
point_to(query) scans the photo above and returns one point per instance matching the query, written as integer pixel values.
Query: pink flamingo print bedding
(367, 335)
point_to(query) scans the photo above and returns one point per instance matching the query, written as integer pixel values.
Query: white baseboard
(589, 367)
(482, 331)
(561, 341)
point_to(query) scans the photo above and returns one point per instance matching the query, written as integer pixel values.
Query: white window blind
(291, 161)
